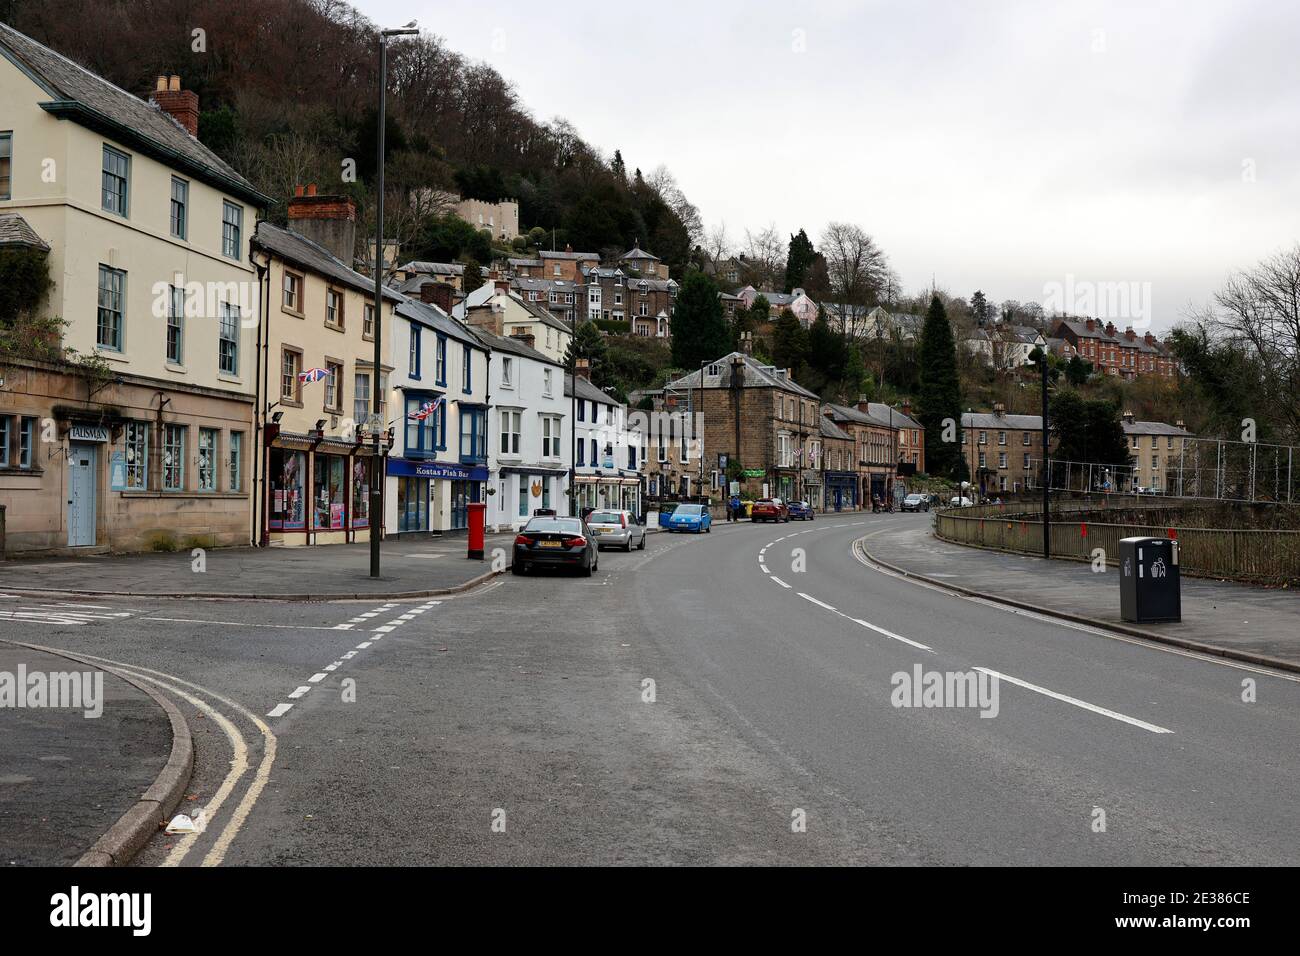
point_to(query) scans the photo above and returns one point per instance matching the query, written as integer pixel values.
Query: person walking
(733, 506)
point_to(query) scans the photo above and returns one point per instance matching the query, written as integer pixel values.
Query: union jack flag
(427, 409)
(312, 375)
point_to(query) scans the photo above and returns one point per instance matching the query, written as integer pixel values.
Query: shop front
(432, 496)
(318, 491)
(841, 491)
(618, 491)
(812, 488)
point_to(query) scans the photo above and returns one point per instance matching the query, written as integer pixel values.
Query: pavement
(1257, 625)
(409, 566)
(714, 699)
(66, 779)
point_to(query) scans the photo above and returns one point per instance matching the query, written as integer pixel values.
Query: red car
(769, 509)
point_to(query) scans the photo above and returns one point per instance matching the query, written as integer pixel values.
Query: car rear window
(689, 510)
(604, 517)
(555, 525)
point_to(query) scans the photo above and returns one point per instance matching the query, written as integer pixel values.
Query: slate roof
(757, 375)
(571, 256)
(636, 252)
(81, 96)
(987, 420)
(1154, 428)
(434, 268)
(847, 413)
(15, 231)
(588, 391)
(830, 430)
(430, 316)
(307, 254)
(898, 419)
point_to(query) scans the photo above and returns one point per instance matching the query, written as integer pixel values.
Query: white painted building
(529, 433)
(609, 459)
(438, 465)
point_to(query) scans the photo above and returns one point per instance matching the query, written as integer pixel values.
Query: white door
(83, 462)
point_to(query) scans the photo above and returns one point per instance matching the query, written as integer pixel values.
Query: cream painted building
(148, 236)
(317, 381)
(496, 308)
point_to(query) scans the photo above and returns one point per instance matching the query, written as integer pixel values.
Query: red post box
(477, 517)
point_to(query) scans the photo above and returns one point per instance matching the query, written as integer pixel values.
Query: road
(715, 699)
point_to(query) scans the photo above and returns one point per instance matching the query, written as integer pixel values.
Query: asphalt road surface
(714, 699)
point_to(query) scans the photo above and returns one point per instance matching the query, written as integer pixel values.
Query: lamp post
(1041, 343)
(376, 459)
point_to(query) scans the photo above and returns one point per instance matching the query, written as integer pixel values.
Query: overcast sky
(993, 145)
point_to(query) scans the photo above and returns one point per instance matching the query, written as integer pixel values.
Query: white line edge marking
(809, 597)
(279, 710)
(1114, 715)
(778, 581)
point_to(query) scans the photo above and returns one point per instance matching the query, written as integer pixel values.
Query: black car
(555, 542)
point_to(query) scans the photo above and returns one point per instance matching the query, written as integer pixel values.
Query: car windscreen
(689, 510)
(604, 517)
(555, 526)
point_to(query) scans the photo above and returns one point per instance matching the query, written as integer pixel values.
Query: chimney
(487, 317)
(1089, 324)
(501, 286)
(863, 404)
(1110, 329)
(1179, 424)
(183, 105)
(747, 343)
(1128, 418)
(526, 337)
(999, 410)
(583, 368)
(568, 248)
(437, 293)
(1149, 339)
(1130, 334)
(907, 407)
(329, 221)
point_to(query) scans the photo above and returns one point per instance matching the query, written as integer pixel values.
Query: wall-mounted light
(275, 418)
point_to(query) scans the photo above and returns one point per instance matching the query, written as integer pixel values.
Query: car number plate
(550, 544)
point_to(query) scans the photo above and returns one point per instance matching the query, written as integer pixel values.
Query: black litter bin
(1149, 588)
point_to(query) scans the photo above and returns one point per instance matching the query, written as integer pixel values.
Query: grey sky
(997, 145)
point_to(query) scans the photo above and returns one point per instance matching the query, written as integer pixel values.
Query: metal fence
(1202, 468)
(1259, 556)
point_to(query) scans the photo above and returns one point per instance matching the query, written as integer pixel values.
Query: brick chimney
(863, 404)
(329, 221)
(583, 368)
(1130, 334)
(747, 343)
(1089, 324)
(1110, 329)
(437, 293)
(1128, 418)
(183, 105)
(526, 337)
(1149, 339)
(487, 316)
(999, 410)
(501, 286)
(907, 407)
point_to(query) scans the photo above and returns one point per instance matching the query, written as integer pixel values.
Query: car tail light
(524, 540)
(622, 520)
(575, 542)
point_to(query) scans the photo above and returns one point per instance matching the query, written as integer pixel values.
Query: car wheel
(628, 546)
(641, 545)
(517, 568)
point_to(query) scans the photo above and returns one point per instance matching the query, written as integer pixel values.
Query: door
(83, 463)
(459, 499)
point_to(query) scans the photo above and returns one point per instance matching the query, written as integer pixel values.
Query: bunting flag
(427, 409)
(312, 375)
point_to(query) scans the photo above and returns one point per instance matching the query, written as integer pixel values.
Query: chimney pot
(173, 84)
(297, 190)
(329, 221)
(160, 84)
(311, 189)
(182, 105)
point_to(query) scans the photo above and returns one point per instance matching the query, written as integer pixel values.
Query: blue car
(800, 511)
(689, 518)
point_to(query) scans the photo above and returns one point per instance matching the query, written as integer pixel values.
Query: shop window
(288, 470)
(329, 508)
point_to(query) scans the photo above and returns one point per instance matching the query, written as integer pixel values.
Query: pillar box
(477, 514)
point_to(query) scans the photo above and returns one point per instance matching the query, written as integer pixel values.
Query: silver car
(616, 529)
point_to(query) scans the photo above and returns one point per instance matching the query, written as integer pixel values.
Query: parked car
(616, 529)
(555, 542)
(769, 509)
(915, 502)
(957, 501)
(689, 518)
(801, 510)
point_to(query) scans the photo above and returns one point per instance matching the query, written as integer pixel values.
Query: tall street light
(1041, 343)
(377, 459)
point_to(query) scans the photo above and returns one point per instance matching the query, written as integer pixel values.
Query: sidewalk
(1250, 624)
(66, 780)
(409, 568)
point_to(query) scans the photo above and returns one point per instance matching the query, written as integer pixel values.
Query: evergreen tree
(980, 310)
(1087, 430)
(619, 169)
(939, 397)
(798, 261)
(789, 341)
(700, 330)
(589, 344)
(473, 277)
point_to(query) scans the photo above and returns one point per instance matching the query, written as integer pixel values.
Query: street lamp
(377, 461)
(1041, 344)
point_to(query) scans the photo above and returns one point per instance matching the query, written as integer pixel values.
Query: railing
(1262, 556)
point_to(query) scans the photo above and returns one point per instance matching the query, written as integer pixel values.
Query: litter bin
(1149, 587)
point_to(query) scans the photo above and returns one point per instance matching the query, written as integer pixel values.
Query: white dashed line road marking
(363, 645)
(1113, 715)
(317, 678)
(279, 710)
(299, 692)
(891, 634)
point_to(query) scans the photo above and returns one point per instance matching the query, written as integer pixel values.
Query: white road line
(279, 710)
(191, 620)
(385, 628)
(342, 627)
(1113, 715)
(897, 637)
(778, 581)
(349, 655)
(809, 597)
(317, 678)
(335, 666)
(766, 569)
(299, 692)
(363, 645)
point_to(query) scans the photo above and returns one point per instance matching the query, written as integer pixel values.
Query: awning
(532, 470)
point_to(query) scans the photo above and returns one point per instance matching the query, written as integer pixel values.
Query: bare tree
(715, 246)
(764, 255)
(665, 184)
(859, 272)
(1259, 308)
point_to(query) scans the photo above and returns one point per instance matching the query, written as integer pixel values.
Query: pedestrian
(734, 507)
